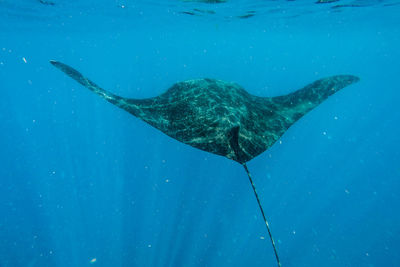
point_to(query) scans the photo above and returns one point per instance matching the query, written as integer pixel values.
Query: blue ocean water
(83, 183)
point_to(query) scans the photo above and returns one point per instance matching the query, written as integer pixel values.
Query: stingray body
(221, 117)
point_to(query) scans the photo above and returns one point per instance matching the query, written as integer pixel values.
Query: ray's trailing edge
(221, 117)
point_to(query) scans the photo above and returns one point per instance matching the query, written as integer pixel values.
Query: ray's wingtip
(355, 79)
(347, 79)
(58, 64)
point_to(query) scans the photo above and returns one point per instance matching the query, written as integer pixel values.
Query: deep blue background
(81, 179)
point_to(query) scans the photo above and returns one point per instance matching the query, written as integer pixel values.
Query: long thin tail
(262, 212)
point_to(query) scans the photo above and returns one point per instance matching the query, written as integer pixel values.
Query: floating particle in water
(93, 260)
(24, 59)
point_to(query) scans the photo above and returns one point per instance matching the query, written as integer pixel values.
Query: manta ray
(221, 117)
